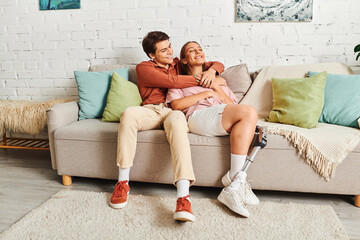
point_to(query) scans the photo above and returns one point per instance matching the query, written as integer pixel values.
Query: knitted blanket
(25, 116)
(323, 147)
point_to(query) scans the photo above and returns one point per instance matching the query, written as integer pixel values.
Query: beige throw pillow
(238, 79)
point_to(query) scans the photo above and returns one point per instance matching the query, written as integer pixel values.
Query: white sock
(182, 186)
(124, 174)
(237, 162)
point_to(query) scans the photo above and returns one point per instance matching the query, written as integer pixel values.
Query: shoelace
(120, 189)
(238, 199)
(248, 188)
(184, 203)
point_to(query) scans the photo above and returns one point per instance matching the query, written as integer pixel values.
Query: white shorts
(207, 121)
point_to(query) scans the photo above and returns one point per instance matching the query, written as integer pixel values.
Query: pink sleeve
(173, 94)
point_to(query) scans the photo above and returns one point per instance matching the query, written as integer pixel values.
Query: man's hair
(151, 39)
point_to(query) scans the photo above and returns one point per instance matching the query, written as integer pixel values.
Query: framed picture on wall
(59, 4)
(274, 10)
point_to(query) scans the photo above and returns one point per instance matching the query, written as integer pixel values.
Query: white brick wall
(39, 50)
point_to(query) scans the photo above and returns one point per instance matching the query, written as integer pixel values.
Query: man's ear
(152, 56)
(183, 61)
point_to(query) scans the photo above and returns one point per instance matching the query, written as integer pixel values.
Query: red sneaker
(120, 194)
(183, 210)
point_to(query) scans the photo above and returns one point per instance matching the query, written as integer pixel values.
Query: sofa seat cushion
(88, 130)
(96, 131)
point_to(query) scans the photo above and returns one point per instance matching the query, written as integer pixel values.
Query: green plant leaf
(357, 57)
(357, 48)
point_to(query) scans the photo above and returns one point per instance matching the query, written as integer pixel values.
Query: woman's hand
(198, 77)
(221, 81)
(208, 77)
(219, 93)
(221, 97)
(215, 85)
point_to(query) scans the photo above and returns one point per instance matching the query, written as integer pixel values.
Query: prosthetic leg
(259, 142)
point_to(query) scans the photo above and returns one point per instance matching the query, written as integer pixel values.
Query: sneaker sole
(184, 217)
(252, 203)
(223, 201)
(119, 205)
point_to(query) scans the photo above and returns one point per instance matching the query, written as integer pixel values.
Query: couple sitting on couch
(192, 86)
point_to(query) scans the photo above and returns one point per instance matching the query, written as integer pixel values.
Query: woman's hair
(151, 39)
(184, 69)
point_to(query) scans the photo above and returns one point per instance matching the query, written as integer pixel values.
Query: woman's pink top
(177, 93)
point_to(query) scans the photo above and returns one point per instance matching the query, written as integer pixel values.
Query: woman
(214, 112)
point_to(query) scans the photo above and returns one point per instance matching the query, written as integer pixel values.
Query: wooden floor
(27, 180)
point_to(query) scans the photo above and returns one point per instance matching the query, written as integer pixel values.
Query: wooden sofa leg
(357, 200)
(66, 180)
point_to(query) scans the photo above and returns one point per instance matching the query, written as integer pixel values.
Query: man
(154, 78)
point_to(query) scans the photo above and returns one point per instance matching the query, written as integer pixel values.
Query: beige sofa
(87, 148)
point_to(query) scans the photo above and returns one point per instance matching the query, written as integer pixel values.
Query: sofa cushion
(342, 100)
(122, 94)
(298, 101)
(238, 79)
(93, 88)
(94, 130)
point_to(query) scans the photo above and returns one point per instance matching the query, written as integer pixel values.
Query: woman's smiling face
(194, 54)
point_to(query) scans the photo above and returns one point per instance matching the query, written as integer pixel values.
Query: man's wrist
(214, 71)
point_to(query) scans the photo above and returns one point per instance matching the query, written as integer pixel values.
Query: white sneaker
(232, 200)
(248, 196)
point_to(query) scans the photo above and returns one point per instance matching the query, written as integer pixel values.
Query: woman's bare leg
(240, 121)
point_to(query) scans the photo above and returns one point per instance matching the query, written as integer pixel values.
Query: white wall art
(274, 10)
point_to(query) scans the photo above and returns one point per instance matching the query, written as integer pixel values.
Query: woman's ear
(183, 61)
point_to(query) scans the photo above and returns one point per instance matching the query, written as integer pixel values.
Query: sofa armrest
(58, 116)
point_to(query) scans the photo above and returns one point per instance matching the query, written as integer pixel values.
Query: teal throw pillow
(298, 101)
(342, 100)
(93, 88)
(122, 94)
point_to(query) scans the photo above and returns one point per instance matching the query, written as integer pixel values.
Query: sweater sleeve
(217, 66)
(150, 76)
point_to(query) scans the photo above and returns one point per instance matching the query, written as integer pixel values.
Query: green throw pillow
(93, 88)
(298, 101)
(342, 100)
(122, 94)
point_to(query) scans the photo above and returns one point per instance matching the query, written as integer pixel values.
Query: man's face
(163, 54)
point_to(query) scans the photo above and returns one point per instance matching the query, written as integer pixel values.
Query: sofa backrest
(109, 67)
(260, 93)
(239, 83)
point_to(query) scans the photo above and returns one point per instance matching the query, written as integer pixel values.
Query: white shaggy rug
(86, 215)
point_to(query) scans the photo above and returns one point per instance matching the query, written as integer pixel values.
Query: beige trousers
(148, 117)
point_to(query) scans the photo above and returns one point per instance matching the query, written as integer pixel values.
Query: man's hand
(208, 77)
